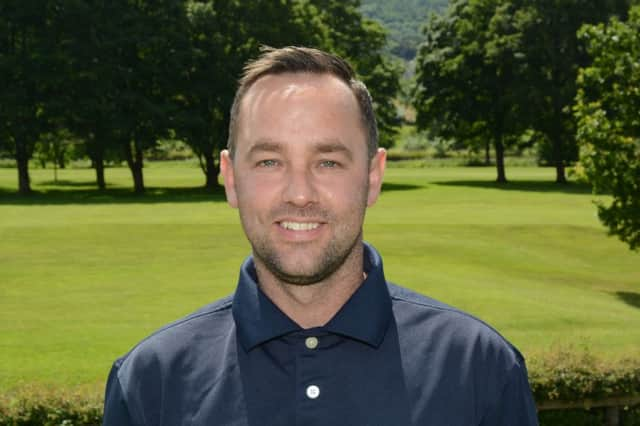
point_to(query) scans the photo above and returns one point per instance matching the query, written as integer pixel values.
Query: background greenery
(84, 275)
(403, 19)
(88, 268)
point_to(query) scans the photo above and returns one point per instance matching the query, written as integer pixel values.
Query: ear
(226, 168)
(376, 173)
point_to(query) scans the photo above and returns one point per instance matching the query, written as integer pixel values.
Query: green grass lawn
(84, 276)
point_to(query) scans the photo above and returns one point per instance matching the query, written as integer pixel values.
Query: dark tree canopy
(491, 70)
(123, 74)
(468, 75)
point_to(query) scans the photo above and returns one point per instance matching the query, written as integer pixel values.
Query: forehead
(299, 84)
(299, 106)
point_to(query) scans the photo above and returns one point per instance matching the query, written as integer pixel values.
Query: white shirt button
(313, 392)
(311, 342)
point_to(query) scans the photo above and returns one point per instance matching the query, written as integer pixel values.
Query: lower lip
(303, 235)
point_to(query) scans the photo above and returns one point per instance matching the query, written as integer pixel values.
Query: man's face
(300, 175)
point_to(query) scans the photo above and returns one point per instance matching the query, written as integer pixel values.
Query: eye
(329, 164)
(267, 163)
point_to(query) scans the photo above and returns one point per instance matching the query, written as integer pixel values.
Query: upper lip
(300, 220)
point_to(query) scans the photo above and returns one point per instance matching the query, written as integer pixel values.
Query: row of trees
(491, 71)
(564, 72)
(121, 74)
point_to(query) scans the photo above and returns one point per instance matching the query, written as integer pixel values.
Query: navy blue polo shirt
(389, 357)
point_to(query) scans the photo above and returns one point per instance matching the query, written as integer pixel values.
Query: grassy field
(84, 276)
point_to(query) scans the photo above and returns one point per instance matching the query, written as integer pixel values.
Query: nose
(299, 187)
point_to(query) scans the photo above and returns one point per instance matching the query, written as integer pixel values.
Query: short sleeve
(116, 412)
(516, 406)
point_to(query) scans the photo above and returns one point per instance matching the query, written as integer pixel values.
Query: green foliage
(553, 55)
(468, 75)
(404, 20)
(573, 375)
(170, 150)
(121, 75)
(607, 108)
(530, 258)
(30, 71)
(492, 70)
(36, 406)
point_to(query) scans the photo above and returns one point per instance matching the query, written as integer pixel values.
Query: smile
(299, 226)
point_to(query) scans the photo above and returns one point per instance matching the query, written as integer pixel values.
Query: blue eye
(328, 164)
(267, 163)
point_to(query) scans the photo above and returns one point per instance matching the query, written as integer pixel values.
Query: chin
(301, 278)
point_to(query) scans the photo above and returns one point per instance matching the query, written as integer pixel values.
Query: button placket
(312, 393)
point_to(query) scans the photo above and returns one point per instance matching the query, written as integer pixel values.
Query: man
(314, 335)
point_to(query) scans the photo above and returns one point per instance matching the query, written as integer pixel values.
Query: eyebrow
(265, 146)
(322, 146)
(333, 146)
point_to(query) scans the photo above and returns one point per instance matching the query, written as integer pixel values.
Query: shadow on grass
(399, 187)
(112, 196)
(630, 298)
(70, 183)
(523, 185)
(71, 192)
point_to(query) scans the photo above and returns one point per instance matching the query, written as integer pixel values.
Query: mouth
(299, 226)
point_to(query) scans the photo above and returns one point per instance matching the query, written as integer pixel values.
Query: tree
(553, 55)
(153, 50)
(468, 75)
(606, 109)
(94, 42)
(30, 69)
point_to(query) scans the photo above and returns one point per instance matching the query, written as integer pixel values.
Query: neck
(313, 305)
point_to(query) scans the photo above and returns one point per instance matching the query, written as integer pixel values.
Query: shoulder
(425, 318)
(469, 362)
(182, 338)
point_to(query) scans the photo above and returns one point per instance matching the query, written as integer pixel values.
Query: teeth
(299, 226)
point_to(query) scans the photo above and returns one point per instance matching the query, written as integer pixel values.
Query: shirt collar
(365, 316)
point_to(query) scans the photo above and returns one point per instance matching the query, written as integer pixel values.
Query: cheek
(255, 196)
(347, 196)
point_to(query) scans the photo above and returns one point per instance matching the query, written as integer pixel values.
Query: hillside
(404, 20)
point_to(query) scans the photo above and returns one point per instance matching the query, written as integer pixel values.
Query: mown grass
(85, 275)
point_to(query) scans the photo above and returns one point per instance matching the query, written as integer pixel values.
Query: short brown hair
(294, 59)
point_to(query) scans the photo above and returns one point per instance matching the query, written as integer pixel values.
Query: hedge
(570, 376)
(565, 376)
(37, 406)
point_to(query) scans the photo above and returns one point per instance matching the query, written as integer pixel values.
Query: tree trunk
(487, 153)
(134, 161)
(61, 162)
(499, 148)
(98, 164)
(560, 173)
(211, 172)
(558, 158)
(22, 160)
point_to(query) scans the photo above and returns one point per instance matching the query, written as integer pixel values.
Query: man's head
(294, 59)
(302, 171)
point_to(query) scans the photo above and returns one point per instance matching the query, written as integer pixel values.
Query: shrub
(36, 406)
(569, 375)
